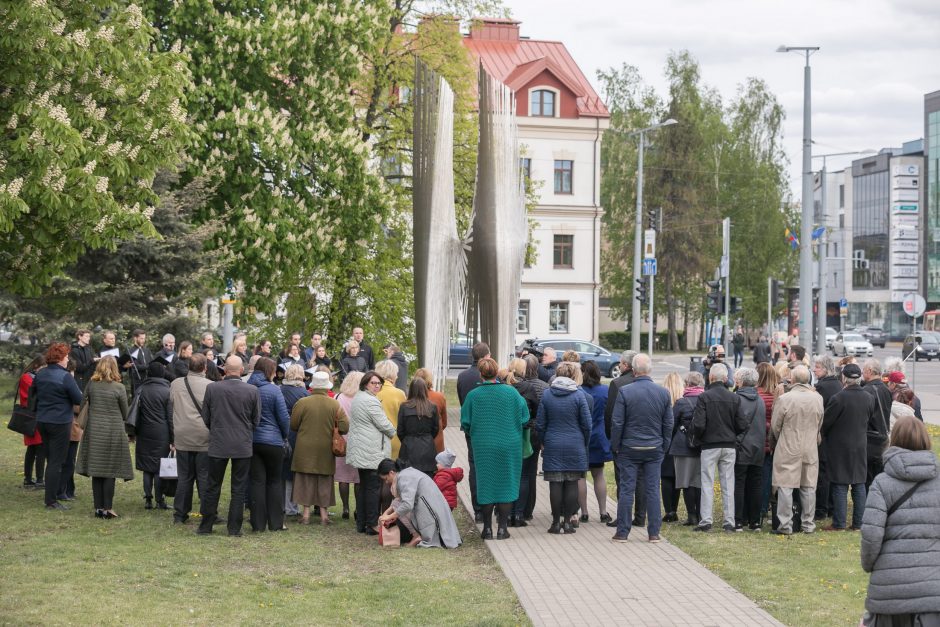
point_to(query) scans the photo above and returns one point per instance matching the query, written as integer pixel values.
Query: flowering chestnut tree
(88, 114)
(274, 110)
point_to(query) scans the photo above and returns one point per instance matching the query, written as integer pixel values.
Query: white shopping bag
(168, 467)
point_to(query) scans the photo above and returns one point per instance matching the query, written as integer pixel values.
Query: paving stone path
(588, 580)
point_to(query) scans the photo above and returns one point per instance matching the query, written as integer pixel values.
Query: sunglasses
(375, 382)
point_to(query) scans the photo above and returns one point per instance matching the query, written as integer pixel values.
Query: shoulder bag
(338, 444)
(81, 419)
(23, 420)
(191, 395)
(902, 500)
(876, 439)
(132, 411)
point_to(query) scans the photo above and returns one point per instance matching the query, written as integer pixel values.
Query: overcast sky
(877, 60)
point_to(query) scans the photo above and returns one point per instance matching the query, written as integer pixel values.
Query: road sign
(914, 305)
(649, 267)
(649, 248)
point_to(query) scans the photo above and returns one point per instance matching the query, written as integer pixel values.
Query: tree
(89, 114)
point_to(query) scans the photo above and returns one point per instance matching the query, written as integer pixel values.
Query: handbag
(23, 419)
(389, 537)
(131, 419)
(81, 419)
(168, 466)
(338, 443)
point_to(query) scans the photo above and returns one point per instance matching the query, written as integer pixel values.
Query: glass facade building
(932, 163)
(871, 194)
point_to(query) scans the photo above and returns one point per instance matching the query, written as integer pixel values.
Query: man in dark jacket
(83, 356)
(737, 342)
(878, 427)
(364, 349)
(231, 410)
(749, 452)
(762, 351)
(531, 388)
(844, 428)
(139, 358)
(466, 381)
(626, 378)
(716, 424)
(394, 354)
(548, 365)
(827, 385)
(641, 430)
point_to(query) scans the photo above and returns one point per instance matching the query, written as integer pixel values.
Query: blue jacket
(56, 391)
(563, 423)
(599, 445)
(642, 416)
(274, 426)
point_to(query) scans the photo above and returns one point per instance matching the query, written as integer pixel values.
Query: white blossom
(135, 16)
(102, 185)
(90, 166)
(80, 37)
(106, 33)
(13, 189)
(59, 114)
(59, 28)
(113, 149)
(144, 97)
(14, 120)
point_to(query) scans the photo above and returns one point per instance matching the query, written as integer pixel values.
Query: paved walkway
(586, 579)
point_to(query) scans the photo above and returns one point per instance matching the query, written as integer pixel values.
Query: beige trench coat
(795, 423)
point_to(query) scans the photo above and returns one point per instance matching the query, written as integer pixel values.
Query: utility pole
(770, 296)
(726, 273)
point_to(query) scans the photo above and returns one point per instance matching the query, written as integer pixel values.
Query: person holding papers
(140, 358)
(82, 354)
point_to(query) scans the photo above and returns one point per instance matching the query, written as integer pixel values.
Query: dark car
(608, 363)
(927, 343)
(460, 351)
(875, 335)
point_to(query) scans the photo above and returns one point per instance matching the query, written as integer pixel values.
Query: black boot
(502, 516)
(148, 504)
(487, 515)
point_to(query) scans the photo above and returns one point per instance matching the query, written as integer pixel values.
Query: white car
(830, 337)
(851, 344)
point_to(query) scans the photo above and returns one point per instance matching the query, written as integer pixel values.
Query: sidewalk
(587, 579)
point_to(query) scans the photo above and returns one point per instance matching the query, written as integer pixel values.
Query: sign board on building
(914, 305)
(904, 195)
(908, 207)
(649, 246)
(904, 284)
(906, 170)
(907, 272)
(904, 231)
(905, 246)
(906, 182)
(906, 219)
(905, 258)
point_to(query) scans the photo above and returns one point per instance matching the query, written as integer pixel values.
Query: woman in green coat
(104, 454)
(493, 414)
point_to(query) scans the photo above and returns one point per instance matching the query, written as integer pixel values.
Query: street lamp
(822, 252)
(806, 226)
(637, 244)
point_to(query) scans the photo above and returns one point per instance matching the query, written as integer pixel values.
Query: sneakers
(703, 528)
(655, 539)
(754, 527)
(555, 529)
(605, 518)
(732, 528)
(57, 506)
(782, 532)
(620, 537)
(611, 522)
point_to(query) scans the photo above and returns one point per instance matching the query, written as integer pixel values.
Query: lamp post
(806, 226)
(638, 236)
(822, 252)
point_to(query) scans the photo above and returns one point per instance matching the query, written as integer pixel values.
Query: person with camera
(716, 355)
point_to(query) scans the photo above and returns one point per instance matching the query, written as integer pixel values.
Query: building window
(542, 103)
(522, 317)
(564, 251)
(558, 316)
(841, 220)
(841, 196)
(563, 171)
(526, 163)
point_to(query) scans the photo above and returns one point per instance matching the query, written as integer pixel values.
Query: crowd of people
(787, 441)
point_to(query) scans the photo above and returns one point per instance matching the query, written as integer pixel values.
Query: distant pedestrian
(737, 342)
(670, 494)
(762, 352)
(599, 445)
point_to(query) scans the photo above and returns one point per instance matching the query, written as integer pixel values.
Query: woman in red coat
(34, 451)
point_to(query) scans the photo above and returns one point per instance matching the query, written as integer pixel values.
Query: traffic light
(716, 301)
(777, 293)
(651, 216)
(642, 289)
(736, 304)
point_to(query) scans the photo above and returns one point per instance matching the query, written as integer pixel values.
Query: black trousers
(209, 506)
(670, 494)
(367, 512)
(533, 470)
(191, 466)
(748, 482)
(822, 485)
(472, 478)
(267, 488)
(152, 484)
(102, 490)
(875, 467)
(526, 484)
(35, 456)
(55, 441)
(67, 480)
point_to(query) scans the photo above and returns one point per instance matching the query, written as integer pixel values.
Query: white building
(561, 122)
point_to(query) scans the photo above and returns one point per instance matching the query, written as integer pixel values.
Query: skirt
(688, 472)
(563, 475)
(345, 473)
(310, 490)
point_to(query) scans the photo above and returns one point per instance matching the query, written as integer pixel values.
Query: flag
(819, 232)
(794, 243)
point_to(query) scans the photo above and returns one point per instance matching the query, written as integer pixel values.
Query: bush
(14, 357)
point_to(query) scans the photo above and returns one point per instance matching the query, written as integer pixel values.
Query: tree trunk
(671, 315)
(701, 327)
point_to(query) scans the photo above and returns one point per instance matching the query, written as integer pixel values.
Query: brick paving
(587, 579)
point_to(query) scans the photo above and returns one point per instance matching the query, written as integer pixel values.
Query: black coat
(402, 382)
(844, 429)
(139, 364)
(354, 364)
(154, 430)
(750, 445)
(828, 387)
(231, 410)
(466, 381)
(882, 418)
(84, 359)
(417, 437)
(613, 390)
(547, 371)
(531, 390)
(762, 353)
(718, 419)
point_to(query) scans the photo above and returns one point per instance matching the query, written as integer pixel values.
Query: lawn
(141, 569)
(814, 579)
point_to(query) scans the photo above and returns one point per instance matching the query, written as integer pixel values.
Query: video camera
(528, 347)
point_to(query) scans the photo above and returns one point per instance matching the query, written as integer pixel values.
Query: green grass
(814, 579)
(141, 569)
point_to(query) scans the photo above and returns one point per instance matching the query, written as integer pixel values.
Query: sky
(876, 61)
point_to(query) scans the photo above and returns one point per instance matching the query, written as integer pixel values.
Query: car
(926, 343)
(851, 344)
(460, 351)
(875, 335)
(830, 337)
(607, 363)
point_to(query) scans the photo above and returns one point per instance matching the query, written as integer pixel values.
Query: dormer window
(542, 103)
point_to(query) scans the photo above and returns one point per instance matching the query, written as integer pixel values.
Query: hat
(851, 371)
(445, 458)
(321, 381)
(896, 376)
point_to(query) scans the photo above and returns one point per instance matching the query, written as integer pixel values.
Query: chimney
(494, 29)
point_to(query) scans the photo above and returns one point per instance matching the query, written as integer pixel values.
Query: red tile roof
(514, 61)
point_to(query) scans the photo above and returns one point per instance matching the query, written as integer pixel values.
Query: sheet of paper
(136, 354)
(111, 352)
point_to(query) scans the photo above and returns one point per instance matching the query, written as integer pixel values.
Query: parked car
(608, 363)
(927, 344)
(830, 337)
(460, 351)
(875, 335)
(851, 344)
